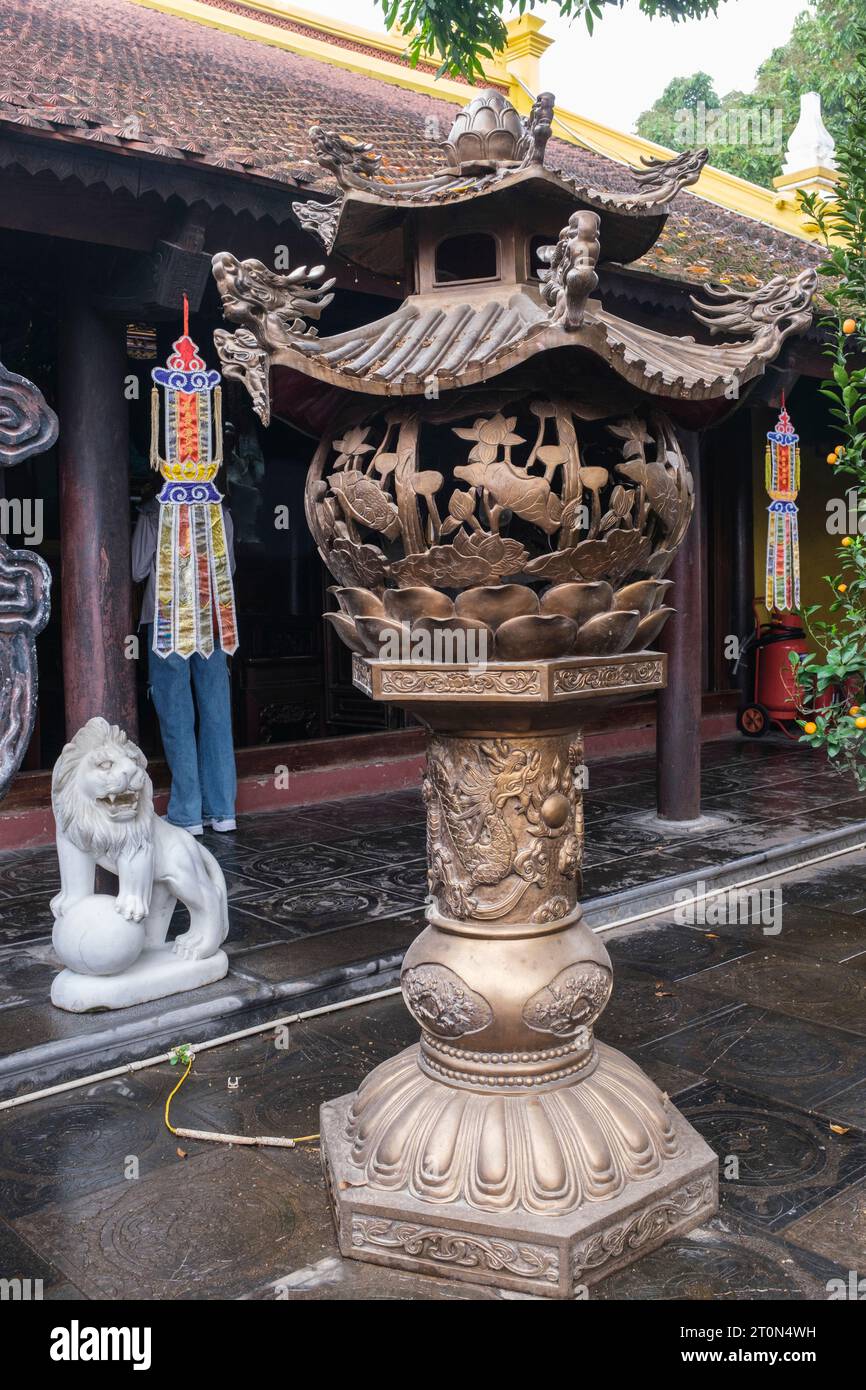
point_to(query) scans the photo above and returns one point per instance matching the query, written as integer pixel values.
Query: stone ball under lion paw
(92, 939)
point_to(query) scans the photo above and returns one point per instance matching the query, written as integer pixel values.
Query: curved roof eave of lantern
(465, 341)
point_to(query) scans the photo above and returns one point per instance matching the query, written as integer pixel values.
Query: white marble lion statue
(102, 799)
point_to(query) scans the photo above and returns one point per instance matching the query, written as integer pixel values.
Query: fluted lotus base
(543, 1192)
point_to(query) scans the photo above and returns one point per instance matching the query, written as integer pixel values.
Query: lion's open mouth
(119, 801)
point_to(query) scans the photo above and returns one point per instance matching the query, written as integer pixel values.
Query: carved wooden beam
(153, 285)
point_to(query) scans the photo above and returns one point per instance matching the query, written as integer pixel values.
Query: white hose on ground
(155, 1061)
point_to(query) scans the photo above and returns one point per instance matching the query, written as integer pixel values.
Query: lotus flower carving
(550, 535)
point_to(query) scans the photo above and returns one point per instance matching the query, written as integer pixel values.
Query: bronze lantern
(499, 497)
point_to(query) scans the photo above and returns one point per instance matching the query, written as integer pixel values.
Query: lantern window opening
(467, 258)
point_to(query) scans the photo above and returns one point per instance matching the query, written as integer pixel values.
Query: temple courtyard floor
(755, 1024)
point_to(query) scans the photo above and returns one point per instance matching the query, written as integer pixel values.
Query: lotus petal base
(544, 1192)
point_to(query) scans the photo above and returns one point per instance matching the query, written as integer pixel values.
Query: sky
(619, 71)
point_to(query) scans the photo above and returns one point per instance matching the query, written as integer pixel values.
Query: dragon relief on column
(502, 820)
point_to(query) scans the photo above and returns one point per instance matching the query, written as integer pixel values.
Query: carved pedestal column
(508, 1146)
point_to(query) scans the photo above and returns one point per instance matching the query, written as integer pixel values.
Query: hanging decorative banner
(783, 542)
(193, 570)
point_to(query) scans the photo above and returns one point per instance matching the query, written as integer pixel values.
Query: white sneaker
(221, 825)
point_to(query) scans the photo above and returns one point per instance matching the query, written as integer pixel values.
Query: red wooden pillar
(96, 585)
(678, 730)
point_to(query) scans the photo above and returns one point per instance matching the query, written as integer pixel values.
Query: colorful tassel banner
(194, 587)
(783, 542)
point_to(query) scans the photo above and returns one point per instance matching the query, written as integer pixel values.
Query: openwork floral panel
(549, 532)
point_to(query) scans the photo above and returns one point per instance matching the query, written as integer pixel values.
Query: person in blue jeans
(203, 777)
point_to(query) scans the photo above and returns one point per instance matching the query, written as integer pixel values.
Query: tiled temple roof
(125, 78)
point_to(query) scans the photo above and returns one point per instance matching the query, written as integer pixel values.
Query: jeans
(203, 779)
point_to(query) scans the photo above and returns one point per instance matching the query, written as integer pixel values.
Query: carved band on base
(540, 1254)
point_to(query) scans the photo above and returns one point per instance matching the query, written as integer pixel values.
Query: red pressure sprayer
(777, 697)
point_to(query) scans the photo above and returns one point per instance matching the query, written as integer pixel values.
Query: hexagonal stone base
(551, 1256)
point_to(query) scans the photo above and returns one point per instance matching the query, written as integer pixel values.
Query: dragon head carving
(273, 307)
(765, 315)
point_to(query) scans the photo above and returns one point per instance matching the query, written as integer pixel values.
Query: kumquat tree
(832, 678)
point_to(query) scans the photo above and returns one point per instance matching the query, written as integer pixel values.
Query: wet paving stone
(846, 1107)
(26, 973)
(408, 879)
(341, 902)
(598, 813)
(699, 854)
(769, 1053)
(794, 984)
(776, 1163)
(18, 1260)
(636, 796)
(803, 929)
(627, 871)
(841, 887)
(840, 812)
(49, 1156)
(293, 864)
(331, 950)
(26, 918)
(714, 1265)
(646, 1007)
(248, 933)
(26, 870)
(393, 846)
(213, 1230)
(674, 952)
(632, 837)
(674, 1081)
(837, 1230)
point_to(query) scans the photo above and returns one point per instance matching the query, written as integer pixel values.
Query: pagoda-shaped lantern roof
(468, 319)
(491, 153)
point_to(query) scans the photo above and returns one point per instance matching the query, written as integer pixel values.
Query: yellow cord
(168, 1123)
(184, 1053)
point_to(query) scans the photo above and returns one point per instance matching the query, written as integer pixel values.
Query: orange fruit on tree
(846, 540)
(810, 727)
(855, 709)
(861, 722)
(842, 588)
(832, 458)
(849, 326)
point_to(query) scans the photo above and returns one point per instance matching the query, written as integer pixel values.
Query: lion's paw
(190, 945)
(132, 906)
